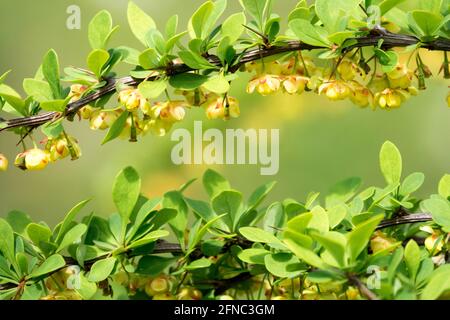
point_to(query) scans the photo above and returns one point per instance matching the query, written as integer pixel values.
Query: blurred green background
(320, 142)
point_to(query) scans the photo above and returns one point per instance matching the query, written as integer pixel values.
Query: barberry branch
(163, 246)
(387, 39)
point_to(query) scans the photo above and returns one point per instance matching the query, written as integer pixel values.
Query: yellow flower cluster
(298, 74)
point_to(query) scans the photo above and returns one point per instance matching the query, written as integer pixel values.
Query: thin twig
(390, 40)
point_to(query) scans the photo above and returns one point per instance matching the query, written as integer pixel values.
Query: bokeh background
(320, 142)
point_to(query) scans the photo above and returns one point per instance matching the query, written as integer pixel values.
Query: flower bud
(3, 163)
(401, 70)
(264, 85)
(189, 293)
(223, 108)
(380, 241)
(224, 297)
(158, 285)
(164, 296)
(103, 119)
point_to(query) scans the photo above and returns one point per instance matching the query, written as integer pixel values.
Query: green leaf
(149, 59)
(335, 243)
(53, 129)
(199, 264)
(412, 183)
(86, 289)
(438, 284)
(425, 23)
(309, 34)
(412, 258)
(99, 29)
(256, 9)
(342, 191)
(102, 269)
(18, 221)
(13, 99)
(96, 60)
(145, 210)
(259, 235)
(187, 81)
(199, 20)
(259, 195)
(275, 218)
(72, 236)
(282, 264)
(444, 186)
(50, 70)
(38, 89)
(391, 163)
(154, 265)
(233, 26)
(150, 237)
(217, 84)
(359, 237)
(305, 254)
(214, 183)
(38, 233)
(387, 5)
(336, 214)
(126, 190)
(54, 105)
(7, 240)
(229, 202)
(440, 210)
(204, 211)
(152, 89)
(175, 200)
(195, 61)
(50, 265)
(68, 219)
(116, 128)
(140, 23)
(253, 256)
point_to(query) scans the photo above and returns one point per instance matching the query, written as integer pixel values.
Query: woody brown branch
(389, 40)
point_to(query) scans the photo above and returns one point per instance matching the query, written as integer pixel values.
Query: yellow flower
(431, 242)
(3, 163)
(295, 84)
(164, 296)
(76, 91)
(380, 241)
(360, 95)
(223, 108)
(448, 99)
(132, 100)
(189, 293)
(264, 85)
(33, 159)
(103, 119)
(348, 70)
(157, 127)
(391, 98)
(335, 90)
(86, 112)
(400, 77)
(126, 132)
